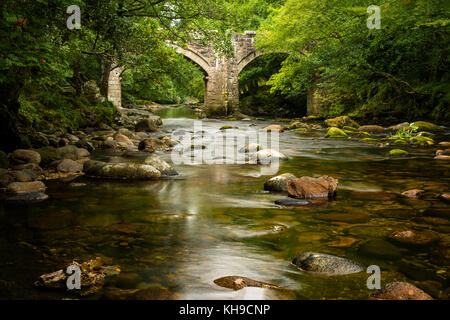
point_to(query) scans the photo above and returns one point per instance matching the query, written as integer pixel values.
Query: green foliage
(400, 70)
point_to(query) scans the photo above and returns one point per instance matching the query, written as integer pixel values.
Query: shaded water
(177, 236)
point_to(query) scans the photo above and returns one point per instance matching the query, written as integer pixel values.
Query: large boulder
(161, 165)
(22, 156)
(341, 122)
(121, 171)
(326, 264)
(425, 126)
(400, 291)
(279, 183)
(25, 187)
(312, 188)
(69, 166)
(149, 125)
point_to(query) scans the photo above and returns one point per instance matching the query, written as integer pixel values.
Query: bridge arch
(193, 55)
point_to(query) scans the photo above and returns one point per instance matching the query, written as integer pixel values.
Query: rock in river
(326, 264)
(341, 122)
(22, 156)
(267, 156)
(25, 187)
(273, 127)
(69, 166)
(400, 291)
(92, 277)
(237, 283)
(413, 237)
(122, 171)
(291, 202)
(312, 188)
(279, 183)
(415, 194)
(161, 165)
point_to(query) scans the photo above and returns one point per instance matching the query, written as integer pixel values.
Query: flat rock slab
(312, 188)
(237, 283)
(28, 197)
(325, 264)
(121, 171)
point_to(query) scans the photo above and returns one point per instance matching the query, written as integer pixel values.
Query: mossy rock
(425, 126)
(4, 162)
(336, 133)
(300, 129)
(400, 141)
(369, 139)
(348, 128)
(341, 122)
(48, 154)
(228, 127)
(260, 119)
(398, 152)
(421, 140)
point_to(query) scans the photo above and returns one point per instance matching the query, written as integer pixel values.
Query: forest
(398, 71)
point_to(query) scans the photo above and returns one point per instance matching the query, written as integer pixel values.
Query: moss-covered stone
(335, 133)
(425, 126)
(398, 152)
(341, 122)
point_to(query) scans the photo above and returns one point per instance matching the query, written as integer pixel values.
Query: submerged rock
(279, 183)
(414, 237)
(92, 277)
(28, 197)
(400, 291)
(237, 283)
(291, 202)
(326, 264)
(341, 122)
(445, 197)
(312, 188)
(161, 165)
(250, 148)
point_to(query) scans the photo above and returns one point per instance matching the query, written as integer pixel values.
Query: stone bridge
(221, 74)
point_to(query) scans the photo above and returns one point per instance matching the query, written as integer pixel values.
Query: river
(177, 236)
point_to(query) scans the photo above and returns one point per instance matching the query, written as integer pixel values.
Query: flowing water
(177, 236)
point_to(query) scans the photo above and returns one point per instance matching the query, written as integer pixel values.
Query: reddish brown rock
(400, 291)
(445, 144)
(312, 188)
(22, 156)
(445, 197)
(26, 187)
(415, 193)
(414, 237)
(273, 127)
(372, 129)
